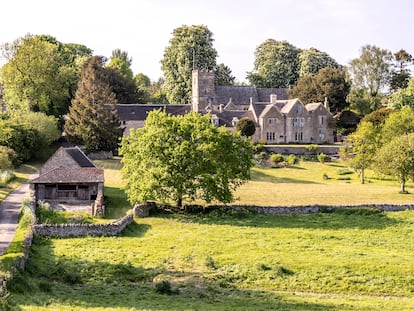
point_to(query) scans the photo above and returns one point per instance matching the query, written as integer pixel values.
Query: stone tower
(202, 89)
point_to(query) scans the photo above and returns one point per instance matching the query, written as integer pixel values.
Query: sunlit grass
(231, 261)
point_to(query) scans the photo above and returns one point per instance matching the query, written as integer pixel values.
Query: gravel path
(9, 213)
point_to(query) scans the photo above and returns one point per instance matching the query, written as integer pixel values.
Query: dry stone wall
(77, 230)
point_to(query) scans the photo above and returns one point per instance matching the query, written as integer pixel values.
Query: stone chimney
(221, 106)
(273, 98)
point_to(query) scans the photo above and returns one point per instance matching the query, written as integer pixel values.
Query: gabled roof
(77, 154)
(258, 108)
(127, 112)
(268, 108)
(71, 175)
(226, 117)
(313, 106)
(289, 105)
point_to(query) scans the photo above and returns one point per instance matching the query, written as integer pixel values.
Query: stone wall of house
(60, 159)
(101, 155)
(132, 124)
(77, 230)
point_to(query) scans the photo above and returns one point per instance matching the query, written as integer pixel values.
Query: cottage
(70, 177)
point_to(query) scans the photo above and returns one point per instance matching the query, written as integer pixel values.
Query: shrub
(345, 172)
(163, 287)
(6, 177)
(323, 158)
(312, 148)
(291, 159)
(277, 158)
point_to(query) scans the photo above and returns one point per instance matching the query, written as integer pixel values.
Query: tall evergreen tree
(92, 119)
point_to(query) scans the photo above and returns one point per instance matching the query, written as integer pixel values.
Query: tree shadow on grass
(117, 204)
(50, 281)
(355, 218)
(262, 177)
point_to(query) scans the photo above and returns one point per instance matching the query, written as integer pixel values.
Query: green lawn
(345, 260)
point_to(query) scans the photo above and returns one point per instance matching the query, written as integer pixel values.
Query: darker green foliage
(22, 138)
(93, 120)
(246, 127)
(163, 287)
(282, 271)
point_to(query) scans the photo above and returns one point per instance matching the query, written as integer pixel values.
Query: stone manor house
(277, 118)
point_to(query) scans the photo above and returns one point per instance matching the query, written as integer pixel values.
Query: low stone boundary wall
(304, 209)
(77, 230)
(301, 150)
(317, 208)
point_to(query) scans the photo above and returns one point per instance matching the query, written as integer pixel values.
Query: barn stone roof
(72, 175)
(127, 112)
(77, 154)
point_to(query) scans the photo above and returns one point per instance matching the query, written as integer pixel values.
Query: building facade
(277, 118)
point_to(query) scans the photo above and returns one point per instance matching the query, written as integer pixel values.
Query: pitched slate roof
(72, 175)
(240, 95)
(226, 117)
(127, 112)
(264, 94)
(79, 157)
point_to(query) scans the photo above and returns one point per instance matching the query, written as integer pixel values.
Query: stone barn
(70, 178)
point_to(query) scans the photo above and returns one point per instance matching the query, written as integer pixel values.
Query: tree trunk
(180, 202)
(402, 187)
(362, 176)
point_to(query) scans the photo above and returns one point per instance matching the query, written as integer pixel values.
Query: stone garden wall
(77, 230)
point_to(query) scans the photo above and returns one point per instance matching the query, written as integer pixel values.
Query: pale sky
(143, 28)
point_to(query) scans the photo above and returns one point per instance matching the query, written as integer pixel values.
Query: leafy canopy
(396, 158)
(40, 74)
(191, 47)
(370, 74)
(276, 65)
(329, 83)
(183, 158)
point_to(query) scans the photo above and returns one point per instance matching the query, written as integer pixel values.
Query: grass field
(345, 260)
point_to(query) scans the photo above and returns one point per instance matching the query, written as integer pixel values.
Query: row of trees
(42, 73)
(384, 141)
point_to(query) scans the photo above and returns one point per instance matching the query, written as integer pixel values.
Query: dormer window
(215, 120)
(299, 109)
(234, 121)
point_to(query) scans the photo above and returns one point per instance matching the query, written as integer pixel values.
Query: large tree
(191, 47)
(40, 74)
(223, 75)
(401, 73)
(92, 119)
(370, 74)
(183, 158)
(398, 123)
(121, 62)
(396, 158)
(329, 83)
(276, 65)
(360, 147)
(403, 97)
(312, 60)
